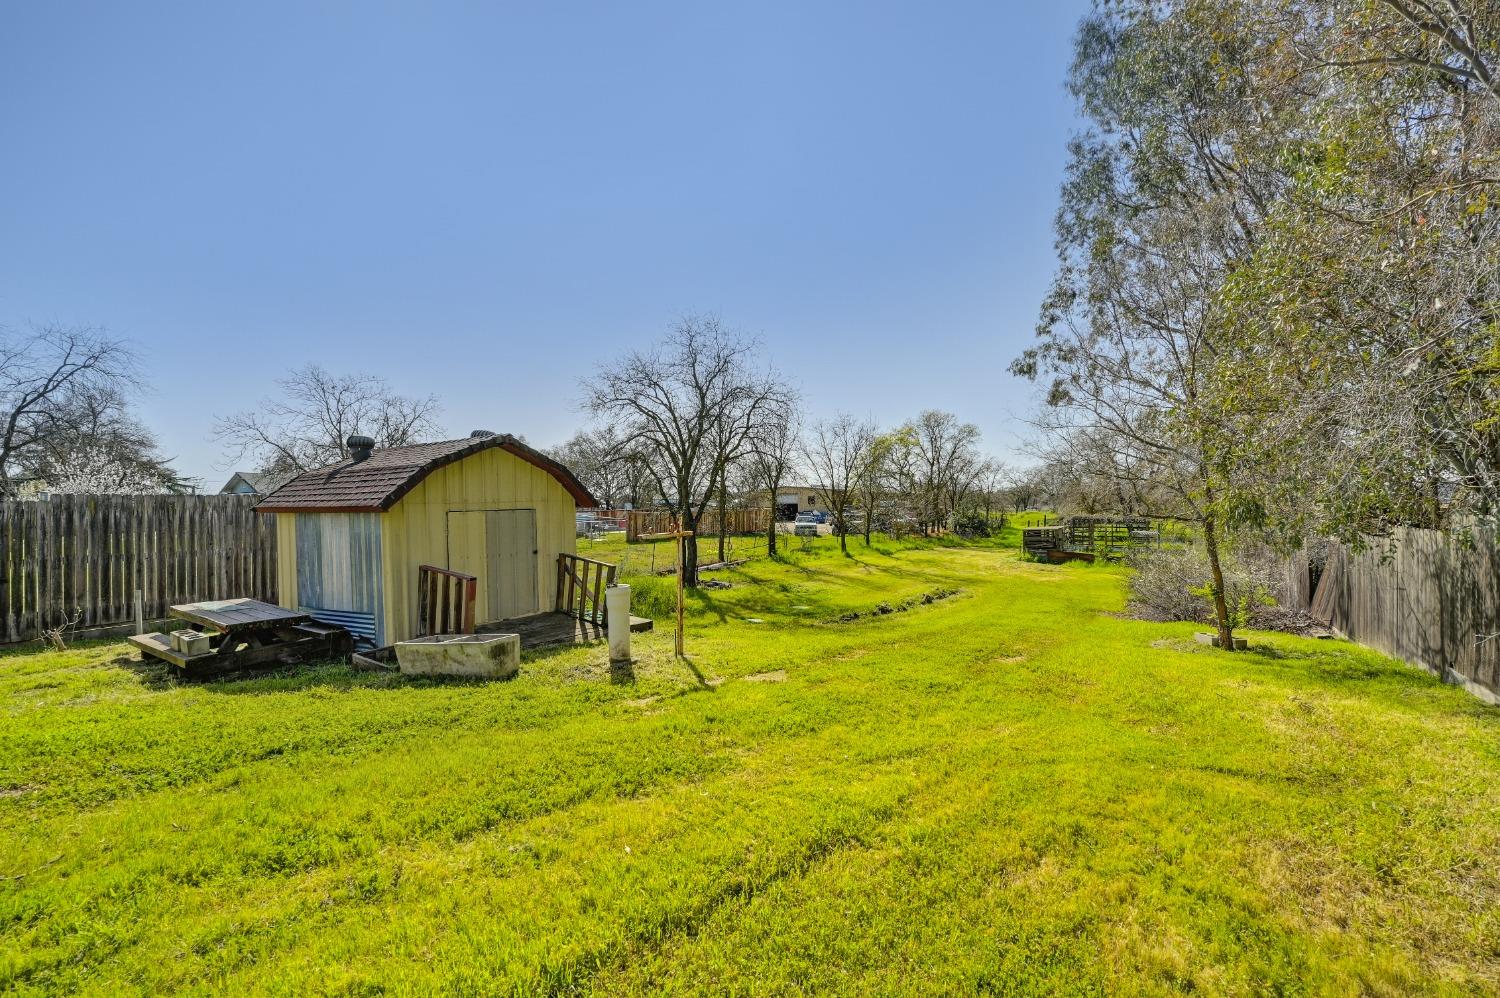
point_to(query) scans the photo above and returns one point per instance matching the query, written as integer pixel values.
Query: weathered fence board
(87, 556)
(1424, 596)
(736, 521)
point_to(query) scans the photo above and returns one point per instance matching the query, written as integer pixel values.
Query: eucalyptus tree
(1367, 313)
(1165, 196)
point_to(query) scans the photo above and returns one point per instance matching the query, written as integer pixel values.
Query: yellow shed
(352, 538)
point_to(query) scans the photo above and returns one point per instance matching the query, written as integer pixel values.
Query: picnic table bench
(244, 634)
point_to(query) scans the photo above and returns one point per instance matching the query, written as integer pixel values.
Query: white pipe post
(617, 621)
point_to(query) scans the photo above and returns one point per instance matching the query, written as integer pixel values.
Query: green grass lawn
(1006, 789)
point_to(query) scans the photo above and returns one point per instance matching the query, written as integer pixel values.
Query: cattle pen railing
(80, 559)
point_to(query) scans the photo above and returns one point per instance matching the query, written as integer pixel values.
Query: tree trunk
(690, 554)
(771, 528)
(1216, 572)
(869, 516)
(723, 514)
(841, 524)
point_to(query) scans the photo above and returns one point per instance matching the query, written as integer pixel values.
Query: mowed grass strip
(1008, 789)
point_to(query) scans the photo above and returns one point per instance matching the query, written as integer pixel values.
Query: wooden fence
(737, 521)
(1424, 596)
(86, 556)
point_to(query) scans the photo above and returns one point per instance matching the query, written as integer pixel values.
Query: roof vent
(482, 433)
(359, 446)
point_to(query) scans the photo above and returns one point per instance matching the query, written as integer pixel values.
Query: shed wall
(416, 528)
(286, 560)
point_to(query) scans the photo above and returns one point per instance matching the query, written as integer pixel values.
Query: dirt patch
(642, 702)
(779, 676)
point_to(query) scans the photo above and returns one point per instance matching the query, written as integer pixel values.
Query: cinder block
(190, 642)
(1206, 638)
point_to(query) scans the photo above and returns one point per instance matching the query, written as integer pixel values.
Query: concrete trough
(484, 656)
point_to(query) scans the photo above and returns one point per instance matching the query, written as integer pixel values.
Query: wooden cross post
(680, 536)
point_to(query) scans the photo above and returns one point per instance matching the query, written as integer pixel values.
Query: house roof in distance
(379, 481)
(262, 482)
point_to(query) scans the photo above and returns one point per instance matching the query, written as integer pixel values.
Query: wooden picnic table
(237, 615)
(245, 633)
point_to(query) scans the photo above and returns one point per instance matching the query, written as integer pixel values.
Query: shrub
(1174, 584)
(972, 525)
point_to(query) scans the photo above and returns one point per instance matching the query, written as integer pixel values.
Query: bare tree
(306, 426)
(688, 405)
(838, 454)
(877, 482)
(605, 463)
(773, 451)
(50, 379)
(101, 449)
(948, 463)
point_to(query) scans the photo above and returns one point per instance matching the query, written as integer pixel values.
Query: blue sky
(484, 201)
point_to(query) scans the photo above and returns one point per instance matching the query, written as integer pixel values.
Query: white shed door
(498, 546)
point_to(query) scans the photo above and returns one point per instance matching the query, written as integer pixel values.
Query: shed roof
(379, 481)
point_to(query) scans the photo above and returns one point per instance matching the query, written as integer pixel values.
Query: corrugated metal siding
(339, 567)
(360, 624)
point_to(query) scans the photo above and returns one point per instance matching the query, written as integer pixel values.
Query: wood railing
(580, 586)
(445, 601)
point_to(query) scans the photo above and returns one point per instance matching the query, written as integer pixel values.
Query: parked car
(805, 528)
(585, 523)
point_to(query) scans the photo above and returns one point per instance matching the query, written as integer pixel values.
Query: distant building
(254, 483)
(794, 499)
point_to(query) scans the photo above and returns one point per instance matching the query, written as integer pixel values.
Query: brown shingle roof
(380, 480)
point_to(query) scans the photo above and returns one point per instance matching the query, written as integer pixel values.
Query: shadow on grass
(1344, 666)
(692, 667)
